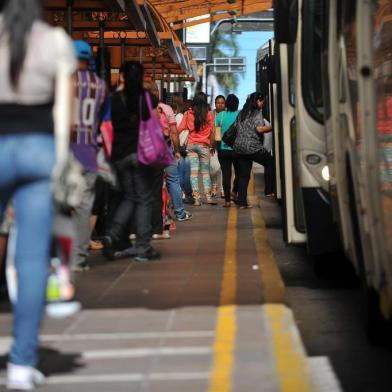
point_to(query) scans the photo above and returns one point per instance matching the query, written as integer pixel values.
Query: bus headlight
(325, 173)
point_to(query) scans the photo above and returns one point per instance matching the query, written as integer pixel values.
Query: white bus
(343, 108)
(290, 76)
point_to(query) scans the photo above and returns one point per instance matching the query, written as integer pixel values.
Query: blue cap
(83, 50)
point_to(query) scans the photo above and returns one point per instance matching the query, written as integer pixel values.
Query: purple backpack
(152, 149)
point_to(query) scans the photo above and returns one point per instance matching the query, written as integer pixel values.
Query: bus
(342, 132)
(295, 105)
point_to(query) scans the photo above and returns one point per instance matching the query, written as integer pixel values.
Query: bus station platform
(211, 315)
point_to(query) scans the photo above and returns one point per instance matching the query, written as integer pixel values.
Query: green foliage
(225, 45)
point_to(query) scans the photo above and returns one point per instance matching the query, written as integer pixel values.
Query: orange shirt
(201, 137)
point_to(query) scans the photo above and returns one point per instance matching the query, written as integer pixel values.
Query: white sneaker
(23, 378)
(62, 309)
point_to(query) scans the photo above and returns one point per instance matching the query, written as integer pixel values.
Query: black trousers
(228, 159)
(263, 157)
(137, 195)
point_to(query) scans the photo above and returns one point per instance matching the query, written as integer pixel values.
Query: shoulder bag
(152, 150)
(231, 134)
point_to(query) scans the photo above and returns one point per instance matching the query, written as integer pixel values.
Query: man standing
(89, 99)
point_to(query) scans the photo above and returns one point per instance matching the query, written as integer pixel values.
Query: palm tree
(221, 43)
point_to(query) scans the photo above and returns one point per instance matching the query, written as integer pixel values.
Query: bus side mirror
(285, 21)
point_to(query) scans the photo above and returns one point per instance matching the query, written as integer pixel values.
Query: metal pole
(69, 17)
(162, 82)
(102, 53)
(204, 83)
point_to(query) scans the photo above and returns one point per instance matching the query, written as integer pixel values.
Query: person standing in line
(184, 166)
(169, 126)
(216, 178)
(200, 123)
(226, 155)
(220, 104)
(37, 62)
(136, 180)
(90, 94)
(249, 147)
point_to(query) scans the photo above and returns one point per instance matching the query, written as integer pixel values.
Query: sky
(249, 43)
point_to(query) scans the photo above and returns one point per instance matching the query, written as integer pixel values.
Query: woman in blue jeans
(30, 76)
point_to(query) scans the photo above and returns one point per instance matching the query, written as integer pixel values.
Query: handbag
(231, 134)
(152, 149)
(218, 130)
(183, 137)
(104, 167)
(69, 184)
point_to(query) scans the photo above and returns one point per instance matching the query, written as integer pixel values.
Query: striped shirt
(90, 93)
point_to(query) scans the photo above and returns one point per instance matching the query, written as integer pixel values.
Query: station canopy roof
(179, 12)
(144, 30)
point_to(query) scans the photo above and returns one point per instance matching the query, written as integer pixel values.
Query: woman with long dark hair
(226, 155)
(199, 120)
(249, 147)
(136, 180)
(36, 66)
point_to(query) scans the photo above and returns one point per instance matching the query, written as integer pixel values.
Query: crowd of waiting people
(41, 72)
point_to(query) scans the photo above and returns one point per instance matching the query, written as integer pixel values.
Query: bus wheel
(376, 325)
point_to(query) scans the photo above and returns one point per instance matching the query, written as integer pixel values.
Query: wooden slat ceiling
(145, 24)
(178, 11)
(135, 28)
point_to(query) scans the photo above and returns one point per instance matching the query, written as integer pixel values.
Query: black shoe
(151, 254)
(112, 254)
(107, 241)
(187, 216)
(125, 253)
(188, 200)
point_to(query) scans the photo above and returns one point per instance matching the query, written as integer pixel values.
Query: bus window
(382, 44)
(290, 60)
(341, 86)
(312, 43)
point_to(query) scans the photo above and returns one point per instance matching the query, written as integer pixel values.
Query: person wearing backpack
(136, 179)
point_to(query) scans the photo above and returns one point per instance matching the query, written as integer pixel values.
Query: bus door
(292, 208)
(322, 233)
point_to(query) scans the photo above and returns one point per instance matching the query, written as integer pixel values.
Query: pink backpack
(152, 149)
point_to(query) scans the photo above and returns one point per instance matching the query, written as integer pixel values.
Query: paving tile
(177, 386)
(94, 387)
(181, 364)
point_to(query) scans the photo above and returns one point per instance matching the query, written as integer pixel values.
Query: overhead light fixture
(231, 1)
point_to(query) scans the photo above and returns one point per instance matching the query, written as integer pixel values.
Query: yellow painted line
(223, 359)
(291, 362)
(292, 367)
(273, 285)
